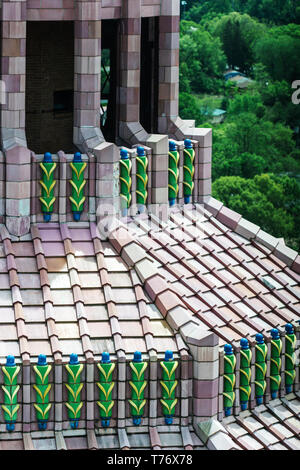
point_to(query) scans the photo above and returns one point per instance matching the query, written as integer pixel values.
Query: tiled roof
(142, 438)
(231, 285)
(274, 426)
(65, 291)
(147, 285)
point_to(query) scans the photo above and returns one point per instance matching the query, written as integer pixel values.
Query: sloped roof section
(201, 278)
(274, 426)
(228, 283)
(65, 291)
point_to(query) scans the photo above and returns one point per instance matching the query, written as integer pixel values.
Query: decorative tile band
(275, 377)
(141, 178)
(105, 385)
(261, 351)
(138, 385)
(42, 388)
(173, 173)
(10, 389)
(74, 387)
(290, 357)
(125, 181)
(168, 384)
(77, 182)
(229, 379)
(47, 182)
(188, 170)
(245, 373)
(261, 360)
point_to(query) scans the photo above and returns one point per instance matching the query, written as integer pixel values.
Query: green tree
(261, 200)
(274, 11)
(270, 11)
(201, 60)
(280, 56)
(239, 34)
(196, 10)
(248, 102)
(190, 108)
(246, 145)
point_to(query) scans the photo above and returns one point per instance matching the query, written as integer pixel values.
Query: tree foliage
(202, 60)
(238, 34)
(280, 55)
(269, 11)
(256, 155)
(266, 200)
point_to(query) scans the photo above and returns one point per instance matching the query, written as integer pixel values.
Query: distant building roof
(233, 73)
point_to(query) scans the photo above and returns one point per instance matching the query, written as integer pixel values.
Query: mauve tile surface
(29, 281)
(23, 249)
(48, 235)
(54, 249)
(26, 265)
(3, 265)
(4, 282)
(8, 332)
(100, 329)
(7, 315)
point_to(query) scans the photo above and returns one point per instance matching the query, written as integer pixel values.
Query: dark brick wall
(49, 68)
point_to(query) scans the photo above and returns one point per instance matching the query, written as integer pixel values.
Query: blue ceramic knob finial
(188, 144)
(124, 154)
(169, 355)
(77, 157)
(42, 360)
(228, 349)
(172, 146)
(140, 151)
(10, 361)
(289, 329)
(275, 333)
(259, 338)
(168, 420)
(244, 343)
(105, 359)
(48, 157)
(73, 359)
(137, 357)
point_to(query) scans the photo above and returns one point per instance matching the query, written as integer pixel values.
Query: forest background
(256, 149)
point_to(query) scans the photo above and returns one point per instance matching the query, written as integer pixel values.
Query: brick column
(13, 140)
(130, 128)
(204, 349)
(168, 64)
(13, 64)
(87, 82)
(168, 120)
